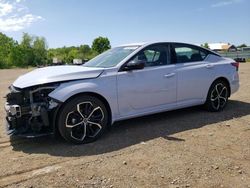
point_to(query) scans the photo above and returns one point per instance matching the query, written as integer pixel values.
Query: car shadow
(134, 131)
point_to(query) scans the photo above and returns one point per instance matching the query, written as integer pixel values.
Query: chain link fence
(236, 55)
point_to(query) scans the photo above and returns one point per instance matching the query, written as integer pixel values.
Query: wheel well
(226, 81)
(105, 102)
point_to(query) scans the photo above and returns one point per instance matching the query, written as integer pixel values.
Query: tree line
(34, 51)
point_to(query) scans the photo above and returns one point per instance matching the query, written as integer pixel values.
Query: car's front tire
(217, 97)
(82, 119)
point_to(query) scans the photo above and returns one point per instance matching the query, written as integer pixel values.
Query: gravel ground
(183, 148)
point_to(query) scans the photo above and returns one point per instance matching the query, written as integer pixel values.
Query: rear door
(194, 74)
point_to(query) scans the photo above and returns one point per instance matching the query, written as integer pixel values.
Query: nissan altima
(81, 102)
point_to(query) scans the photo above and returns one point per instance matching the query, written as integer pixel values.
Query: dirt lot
(184, 148)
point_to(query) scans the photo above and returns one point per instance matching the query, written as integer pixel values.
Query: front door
(151, 88)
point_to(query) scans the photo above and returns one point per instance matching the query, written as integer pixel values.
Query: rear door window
(188, 53)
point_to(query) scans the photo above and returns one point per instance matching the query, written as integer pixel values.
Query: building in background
(218, 47)
(77, 62)
(246, 49)
(57, 61)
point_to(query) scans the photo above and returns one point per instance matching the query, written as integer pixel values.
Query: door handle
(209, 66)
(169, 75)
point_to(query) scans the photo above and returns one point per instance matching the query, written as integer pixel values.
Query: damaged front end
(31, 112)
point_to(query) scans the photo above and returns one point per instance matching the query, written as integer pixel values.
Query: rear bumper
(235, 85)
(235, 82)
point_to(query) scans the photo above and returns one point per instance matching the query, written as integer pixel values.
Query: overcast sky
(75, 22)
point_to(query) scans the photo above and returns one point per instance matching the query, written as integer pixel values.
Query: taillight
(236, 65)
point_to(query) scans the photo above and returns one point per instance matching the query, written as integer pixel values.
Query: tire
(83, 119)
(217, 97)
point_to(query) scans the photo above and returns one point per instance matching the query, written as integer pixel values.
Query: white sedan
(128, 81)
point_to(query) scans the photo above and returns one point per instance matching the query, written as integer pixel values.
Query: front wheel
(217, 96)
(83, 119)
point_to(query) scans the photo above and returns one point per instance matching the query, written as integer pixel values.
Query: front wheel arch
(100, 97)
(66, 110)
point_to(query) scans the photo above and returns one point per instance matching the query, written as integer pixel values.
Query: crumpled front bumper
(17, 125)
(13, 113)
(14, 132)
(8, 127)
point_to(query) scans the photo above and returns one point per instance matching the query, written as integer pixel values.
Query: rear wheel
(83, 119)
(217, 96)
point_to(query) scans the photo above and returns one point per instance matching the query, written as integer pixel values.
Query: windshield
(111, 57)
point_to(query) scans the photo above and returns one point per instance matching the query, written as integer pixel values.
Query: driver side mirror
(134, 65)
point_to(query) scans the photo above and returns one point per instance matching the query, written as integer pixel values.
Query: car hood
(56, 74)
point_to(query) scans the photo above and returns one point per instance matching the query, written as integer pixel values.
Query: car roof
(134, 44)
(154, 42)
(141, 44)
